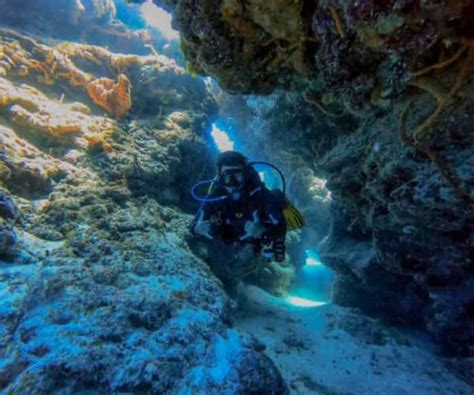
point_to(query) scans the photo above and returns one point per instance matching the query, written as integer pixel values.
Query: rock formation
(99, 289)
(99, 286)
(386, 91)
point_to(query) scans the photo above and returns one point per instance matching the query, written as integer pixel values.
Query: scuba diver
(241, 217)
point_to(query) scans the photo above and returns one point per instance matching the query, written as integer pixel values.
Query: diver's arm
(201, 225)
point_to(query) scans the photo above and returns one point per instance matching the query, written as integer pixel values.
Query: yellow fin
(294, 219)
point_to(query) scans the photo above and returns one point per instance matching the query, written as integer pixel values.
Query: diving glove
(274, 250)
(253, 229)
(202, 227)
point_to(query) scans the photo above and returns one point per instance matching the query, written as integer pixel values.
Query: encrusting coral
(108, 261)
(115, 97)
(30, 109)
(406, 206)
(25, 170)
(24, 56)
(419, 138)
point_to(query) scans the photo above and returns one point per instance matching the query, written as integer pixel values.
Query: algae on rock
(93, 256)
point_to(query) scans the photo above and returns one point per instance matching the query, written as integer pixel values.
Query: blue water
(314, 280)
(130, 15)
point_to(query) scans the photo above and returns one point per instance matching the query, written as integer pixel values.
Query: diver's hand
(202, 227)
(253, 229)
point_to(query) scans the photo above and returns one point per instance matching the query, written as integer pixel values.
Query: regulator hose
(282, 177)
(205, 199)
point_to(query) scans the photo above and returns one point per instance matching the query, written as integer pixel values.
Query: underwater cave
(236, 197)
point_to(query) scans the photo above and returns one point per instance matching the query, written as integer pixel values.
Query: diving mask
(233, 178)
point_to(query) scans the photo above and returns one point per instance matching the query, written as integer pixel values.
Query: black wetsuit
(228, 217)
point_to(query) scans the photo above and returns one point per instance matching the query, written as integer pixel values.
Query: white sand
(334, 350)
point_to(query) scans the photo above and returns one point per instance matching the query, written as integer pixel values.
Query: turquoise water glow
(312, 286)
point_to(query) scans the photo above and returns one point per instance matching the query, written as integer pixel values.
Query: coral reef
(115, 97)
(409, 226)
(178, 105)
(350, 50)
(57, 64)
(8, 215)
(134, 311)
(93, 247)
(74, 13)
(400, 182)
(108, 78)
(99, 289)
(398, 236)
(28, 108)
(244, 45)
(28, 171)
(88, 21)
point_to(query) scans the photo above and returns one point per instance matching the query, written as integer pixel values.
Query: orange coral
(443, 98)
(337, 21)
(113, 96)
(418, 139)
(58, 63)
(320, 107)
(99, 142)
(93, 141)
(107, 148)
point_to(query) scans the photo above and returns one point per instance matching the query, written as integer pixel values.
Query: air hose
(283, 182)
(205, 199)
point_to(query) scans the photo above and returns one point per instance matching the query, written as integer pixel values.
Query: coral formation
(155, 306)
(45, 121)
(95, 22)
(243, 45)
(8, 216)
(94, 250)
(115, 97)
(27, 58)
(27, 170)
(254, 47)
(368, 62)
(90, 253)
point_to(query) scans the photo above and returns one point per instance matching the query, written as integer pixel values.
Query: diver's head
(232, 172)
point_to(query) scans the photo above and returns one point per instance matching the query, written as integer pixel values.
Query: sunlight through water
(159, 19)
(302, 302)
(221, 139)
(312, 287)
(312, 258)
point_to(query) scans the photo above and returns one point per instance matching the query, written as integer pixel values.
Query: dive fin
(294, 219)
